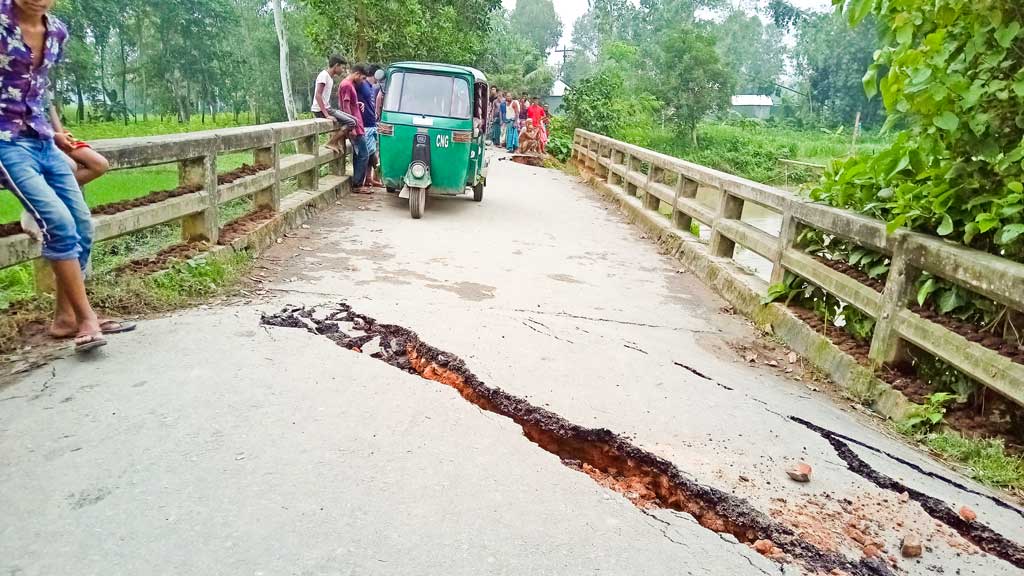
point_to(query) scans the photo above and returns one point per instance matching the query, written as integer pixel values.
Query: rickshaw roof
(437, 67)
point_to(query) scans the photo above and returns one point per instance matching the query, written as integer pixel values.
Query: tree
(753, 51)
(692, 80)
(832, 57)
(286, 81)
(954, 73)
(446, 30)
(614, 100)
(508, 58)
(538, 23)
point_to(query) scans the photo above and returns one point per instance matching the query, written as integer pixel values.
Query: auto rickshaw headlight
(418, 170)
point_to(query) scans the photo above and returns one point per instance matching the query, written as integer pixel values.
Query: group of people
(360, 95)
(518, 124)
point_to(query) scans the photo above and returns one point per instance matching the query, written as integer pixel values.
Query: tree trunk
(81, 101)
(286, 77)
(124, 77)
(142, 71)
(361, 47)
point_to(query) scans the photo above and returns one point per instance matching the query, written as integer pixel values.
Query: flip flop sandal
(117, 327)
(89, 342)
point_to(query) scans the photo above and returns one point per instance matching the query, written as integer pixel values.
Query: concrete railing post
(654, 174)
(600, 169)
(886, 344)
(787, 237)
(630, 167)
(310, 179)
(202, 172)
(269, 197)
(337, 166)
(685, 189)
(615, 159)
(42, 272)
(729, 208)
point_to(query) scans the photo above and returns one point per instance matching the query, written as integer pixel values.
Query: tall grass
(752, 148)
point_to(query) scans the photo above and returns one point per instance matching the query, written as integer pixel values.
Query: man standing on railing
(34, 169)
(348, 102)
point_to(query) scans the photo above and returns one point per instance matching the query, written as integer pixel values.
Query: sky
(569, 10)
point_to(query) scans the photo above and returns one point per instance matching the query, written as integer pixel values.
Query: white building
(753, 105)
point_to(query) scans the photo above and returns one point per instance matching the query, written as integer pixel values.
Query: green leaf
(870, 82)
(926, 290)
(1006, 34)
(858, 10)
(947, 121)
(775, 291)
(1016, 187)
(986, 222)
(877, 270)
(951, 299)
(970, 231)
(1009, 233)
(946, 227)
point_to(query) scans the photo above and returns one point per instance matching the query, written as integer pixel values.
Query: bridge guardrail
(196, 153)
(617, 165)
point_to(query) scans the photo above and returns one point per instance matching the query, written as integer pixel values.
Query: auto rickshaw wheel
(417, 202)
(478, 192)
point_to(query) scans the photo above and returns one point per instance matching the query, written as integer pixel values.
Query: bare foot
(62, 328)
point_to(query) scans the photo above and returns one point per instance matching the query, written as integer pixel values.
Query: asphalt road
(208, 444)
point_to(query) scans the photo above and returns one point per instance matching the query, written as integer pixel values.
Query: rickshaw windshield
(428, 95)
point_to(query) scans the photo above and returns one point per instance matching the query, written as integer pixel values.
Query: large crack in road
(647, 480)
(974, 532)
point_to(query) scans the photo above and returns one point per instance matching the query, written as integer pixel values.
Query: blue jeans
(360, 157)
(39, 174)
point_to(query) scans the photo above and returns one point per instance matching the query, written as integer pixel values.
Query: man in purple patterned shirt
(34, 169)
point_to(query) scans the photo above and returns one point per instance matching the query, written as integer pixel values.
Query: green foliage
(443, 30)
(924, 417)
(953, 72)
(693, 80)
(559, 139)
(198, 278)
(942, 377)
(511, 62)
(832, 57)
(537, 22)
(752, 51)
(609, 102)
(987, 458)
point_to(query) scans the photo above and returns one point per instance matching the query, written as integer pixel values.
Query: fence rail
(196, 153)
(672, 182)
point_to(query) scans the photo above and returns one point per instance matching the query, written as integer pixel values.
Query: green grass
(752, 149)
(152, 127)
(987, 459)
(127, 184)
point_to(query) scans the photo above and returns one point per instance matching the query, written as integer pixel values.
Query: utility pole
(565, 55)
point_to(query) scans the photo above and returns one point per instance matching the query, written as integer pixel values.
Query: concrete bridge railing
(195, 154)
(671, 182)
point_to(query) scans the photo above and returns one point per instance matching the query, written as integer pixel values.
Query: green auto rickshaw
(432, 128)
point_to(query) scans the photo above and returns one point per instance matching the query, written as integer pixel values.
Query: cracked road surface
(205, 443)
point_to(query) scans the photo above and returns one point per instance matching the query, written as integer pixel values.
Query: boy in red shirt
(348, 102)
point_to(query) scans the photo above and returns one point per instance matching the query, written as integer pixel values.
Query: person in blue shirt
(367, 93)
